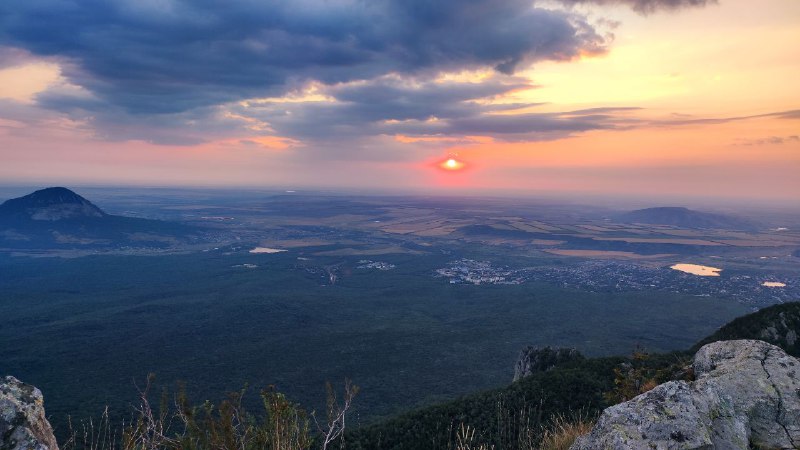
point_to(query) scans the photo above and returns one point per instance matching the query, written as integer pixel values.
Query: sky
(650, 98)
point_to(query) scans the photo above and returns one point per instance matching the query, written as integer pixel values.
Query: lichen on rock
(746, 395)
(23, 425)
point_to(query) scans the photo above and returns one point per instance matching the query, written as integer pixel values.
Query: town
(480, 272)
(611, 276)
(380, 265)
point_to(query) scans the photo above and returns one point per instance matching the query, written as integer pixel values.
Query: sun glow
(452, 164)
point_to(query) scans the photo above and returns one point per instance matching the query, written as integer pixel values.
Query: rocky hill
(50, 204)
(58, 218)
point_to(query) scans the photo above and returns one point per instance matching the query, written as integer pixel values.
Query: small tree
(336, 416)
(149, 431)
(630, 378)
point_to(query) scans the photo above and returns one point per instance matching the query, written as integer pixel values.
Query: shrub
(563, 431)
(227, 426)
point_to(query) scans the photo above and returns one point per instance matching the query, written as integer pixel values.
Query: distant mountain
(686, 218)
(57, 217)
(51, 204)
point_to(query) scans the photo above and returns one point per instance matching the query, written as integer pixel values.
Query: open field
(640, 240)
(606, 254)
(368, 251)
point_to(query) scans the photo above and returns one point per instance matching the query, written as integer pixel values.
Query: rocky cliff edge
(23, 425)
(746, 395)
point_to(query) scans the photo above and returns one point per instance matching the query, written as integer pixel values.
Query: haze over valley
(420, 299)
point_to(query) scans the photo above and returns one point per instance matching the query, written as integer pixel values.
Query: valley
(418, 300)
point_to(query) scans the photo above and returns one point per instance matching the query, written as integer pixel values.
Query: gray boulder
(23, 425)
(541, 359)
(746, 395)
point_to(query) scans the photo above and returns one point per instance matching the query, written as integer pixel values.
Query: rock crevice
(779, 409)
(746, 395)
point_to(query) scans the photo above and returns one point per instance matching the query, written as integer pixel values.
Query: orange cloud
(267, 142)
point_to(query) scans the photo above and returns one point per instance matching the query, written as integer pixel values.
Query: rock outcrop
(746, 395)
(783, 330)
(780, 332)
(541, 359)
(23, 425)
(778, 324)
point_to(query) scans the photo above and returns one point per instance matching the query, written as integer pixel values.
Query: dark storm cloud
(529, 126)
(173, 71)
(451, 109)
(646, 6)
(170, 56)
(113, 123)
(396, 99)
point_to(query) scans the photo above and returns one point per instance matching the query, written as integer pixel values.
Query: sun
(452, 164)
